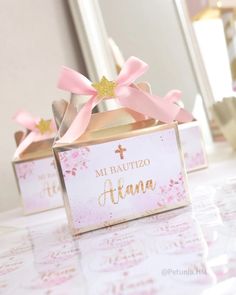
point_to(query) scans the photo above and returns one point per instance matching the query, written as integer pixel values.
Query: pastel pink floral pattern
(172, 192)
(25, 169)
(194, 160)
(73, 161)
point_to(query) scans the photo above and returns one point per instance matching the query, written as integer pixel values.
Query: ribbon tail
(184, 116)
(147, 105)
(81, 121)
(30, 138)
(173, 96)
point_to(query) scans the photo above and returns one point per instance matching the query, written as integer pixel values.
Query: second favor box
(193, 146)
(37, 178)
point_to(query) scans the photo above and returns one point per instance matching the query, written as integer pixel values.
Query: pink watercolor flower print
(194, 160)
(74, 160)
(25, 169)
(172, 192)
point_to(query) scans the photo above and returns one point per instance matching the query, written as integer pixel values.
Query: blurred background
(189, 45)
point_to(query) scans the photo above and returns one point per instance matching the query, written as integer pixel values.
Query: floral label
(123, 179)
(39, 185)
(193, 147)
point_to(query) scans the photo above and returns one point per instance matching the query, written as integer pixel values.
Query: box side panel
(38, 184)
(193, 147)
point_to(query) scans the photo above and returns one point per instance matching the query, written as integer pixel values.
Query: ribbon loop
(75, 82)
(131, 71)
(39, 130)
(25, 119)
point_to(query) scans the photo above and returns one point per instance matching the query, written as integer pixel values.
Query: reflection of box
(116, 174)
(37, 178)
(193, 146)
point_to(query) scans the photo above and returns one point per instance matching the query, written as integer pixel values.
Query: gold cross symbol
(120, 151)
(105, 88)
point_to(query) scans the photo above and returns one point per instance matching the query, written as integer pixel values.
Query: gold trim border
(128, 134)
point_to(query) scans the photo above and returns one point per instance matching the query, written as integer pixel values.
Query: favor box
(36, 177)
(193, 146)
(112, 175)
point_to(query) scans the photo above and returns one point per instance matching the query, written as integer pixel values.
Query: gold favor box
(119, 169)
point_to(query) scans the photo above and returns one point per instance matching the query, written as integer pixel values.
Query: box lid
(112, 125)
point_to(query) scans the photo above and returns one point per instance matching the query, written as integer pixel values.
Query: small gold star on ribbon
(105, 88)
(43, 126)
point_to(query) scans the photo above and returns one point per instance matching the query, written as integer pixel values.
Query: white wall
(211, 40)
(150, 30)
(36, 38)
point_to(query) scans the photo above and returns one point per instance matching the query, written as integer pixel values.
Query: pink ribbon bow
(165, 110)
(39, 129)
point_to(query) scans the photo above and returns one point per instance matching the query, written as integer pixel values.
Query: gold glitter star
(43, 126)
(105, 88)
